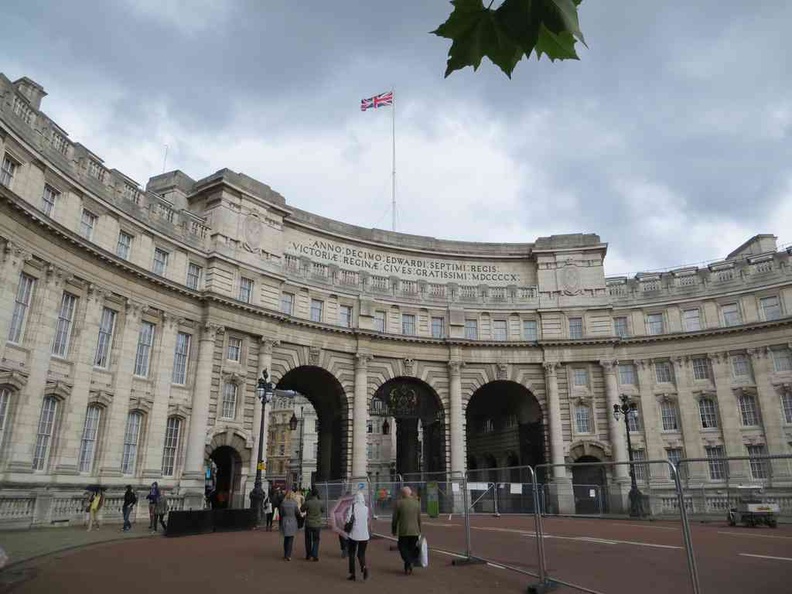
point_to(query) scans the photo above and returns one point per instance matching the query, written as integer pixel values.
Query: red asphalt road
(609, 556)
(621, 556)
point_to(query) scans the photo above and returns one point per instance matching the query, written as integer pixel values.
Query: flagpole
(393, 152)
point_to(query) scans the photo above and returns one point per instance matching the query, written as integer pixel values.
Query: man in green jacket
(406, 524)
(314, 519)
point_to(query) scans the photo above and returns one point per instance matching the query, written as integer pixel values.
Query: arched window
(131, 441)
(5, 401)
(748, 412)
(708, 413)
(44, 434)
(171, 449)
(93, 416)
(228, 410)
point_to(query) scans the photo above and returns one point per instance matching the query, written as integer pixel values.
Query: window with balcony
(438, 327)
(708, 413)
(45, 432)
(89, 436)
(663, 372)
(345, 316)
(582, 419)
(408, 324)
(317, 308)
(287, 303)
(234, 352)
(758, 466)
(717, 468)
(171, 449)
(575, 327)
(701, 368)
(471, 329)
(379, 321)
(530, 331)
(499, 329)
(668, 416)
(749, 414)
(131, 440)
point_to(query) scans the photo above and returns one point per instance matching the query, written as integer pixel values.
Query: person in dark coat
(130, 499)
(406, 524)
(289, 512)
(153, 498)
(314, 519)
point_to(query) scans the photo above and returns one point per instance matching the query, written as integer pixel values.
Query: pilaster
(554, 416)
(264, 362)
(360, 415)
(771, 415)
(457, 421)
(729, 411)
(616, 428)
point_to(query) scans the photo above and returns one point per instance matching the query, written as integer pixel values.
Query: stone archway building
(135, 323)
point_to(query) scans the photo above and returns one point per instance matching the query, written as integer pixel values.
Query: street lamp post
(293, 425)
(629, 409)
(264, 392)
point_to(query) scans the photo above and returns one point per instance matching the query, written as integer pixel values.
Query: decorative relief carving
(550, 368)
(502, 370)
(681, 362)
(97, 294)
(362, 360)
(641, 363)
(57, 388)
(253, 232)
(57, 277)
(314, 355)
(570, 278)
(210, 331)
(455, 367)
(172, 321)
(13, 379)
(101, 398)
(267, 344)
(135, 309)
(234, 377)
(666, 397)
(699, 394)
(718, 358)
(408, 366)
(141, 401)
(608, 366)
(15, 255)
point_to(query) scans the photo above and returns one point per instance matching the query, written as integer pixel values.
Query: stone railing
(16, 509)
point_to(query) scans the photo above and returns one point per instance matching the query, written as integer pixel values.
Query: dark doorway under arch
(327, 396)
(589, 486)
(504, 428)
(228, 477)
(420, 425)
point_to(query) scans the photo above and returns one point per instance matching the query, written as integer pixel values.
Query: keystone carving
(314, 355)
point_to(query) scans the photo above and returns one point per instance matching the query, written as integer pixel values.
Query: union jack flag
(380, 100)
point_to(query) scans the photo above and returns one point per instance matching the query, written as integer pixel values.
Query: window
(160, 261)
(530, 332)
(143, 355)
(379, 321)
(499, 329)
(663, 372)
(749, 415)
(640, 469)
(24, 294)
(627, 374)
(87, 224)
(169, 458)
(620, 327)
(708, 413)
(287, 303)
(245, 290)
(46, 427)
(674, 456)
(654, 324)
(345, 316)
(105, 342)
(7, 171)
(438, 327)
(471, 329)
(717, 468)
(634, 421)
(89, 435)
(408, 324)
(701, 368)
(771, 308)
(316, 310)
(758, 467)
(60, 345)
(575, 327)
(731, 314)
(180, 358)
(583, 419)
(668, 414)
(740, 366)
(5, 398)
(782, 360)
(691, 320)
(48, 199)
(369, 427)
(124, 245)
(193, 276)
(234, 352)
(580, 377)
(786, 405)
(131, 441)
(229, 401)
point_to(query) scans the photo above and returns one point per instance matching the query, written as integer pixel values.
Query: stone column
(456, 419)
(560, 498)
(43, 322)
(771, 415)
(729, 411)
(360, 416)
(74, 419)
(650, 409)
(122, 387)
(264, 362)
(14, 259)
(162, 364)
(616, 428)
(199, 418)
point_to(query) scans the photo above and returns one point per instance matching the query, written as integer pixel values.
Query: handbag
(349, 525)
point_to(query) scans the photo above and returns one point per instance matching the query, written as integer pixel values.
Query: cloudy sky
(671, 138)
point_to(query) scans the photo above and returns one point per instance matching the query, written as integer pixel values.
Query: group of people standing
(157, 503)
(294, 510)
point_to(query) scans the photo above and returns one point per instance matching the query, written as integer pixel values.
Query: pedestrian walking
(289, 512)
(160, 511)
(94, 507)
(130, 499)
(268, 512)
(314, 518)
(153, 497)
(342, 540)
(359, 536)
(406, 525)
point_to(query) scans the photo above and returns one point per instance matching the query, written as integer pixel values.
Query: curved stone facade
(138, 321)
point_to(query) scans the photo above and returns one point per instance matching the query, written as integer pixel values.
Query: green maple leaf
(513, 30)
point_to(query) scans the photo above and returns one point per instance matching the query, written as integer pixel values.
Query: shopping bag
(276, 515)
(422, 556)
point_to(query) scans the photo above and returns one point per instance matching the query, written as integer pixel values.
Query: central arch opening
(420, 425)
(227, 469)
(329, 402)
